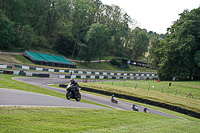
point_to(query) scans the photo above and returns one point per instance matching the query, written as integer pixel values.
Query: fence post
(112, 82)
(149, 87)
(102, 81)
(124, 82)
(162, 89)
(176, 92)
(136, 86)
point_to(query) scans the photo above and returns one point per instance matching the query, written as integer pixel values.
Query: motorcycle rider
(114, 99)
(134, 107)
(74, 84)
(112, 96)
(146, 110)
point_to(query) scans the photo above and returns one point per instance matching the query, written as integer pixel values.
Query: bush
(115, 62)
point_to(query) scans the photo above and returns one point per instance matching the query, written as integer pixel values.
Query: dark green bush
(115, 62)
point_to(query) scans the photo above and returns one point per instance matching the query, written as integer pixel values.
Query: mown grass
(71, 120)
(179, 100)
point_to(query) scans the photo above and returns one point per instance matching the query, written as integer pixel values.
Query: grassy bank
(28, 119)
(179, 100)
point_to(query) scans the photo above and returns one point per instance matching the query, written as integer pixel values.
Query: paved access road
(43, 82)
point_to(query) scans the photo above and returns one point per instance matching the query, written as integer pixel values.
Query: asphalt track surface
(10, 97)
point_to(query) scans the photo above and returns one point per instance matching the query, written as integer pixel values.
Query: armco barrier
(141, 100)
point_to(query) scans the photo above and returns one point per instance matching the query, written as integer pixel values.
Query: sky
(154, 15)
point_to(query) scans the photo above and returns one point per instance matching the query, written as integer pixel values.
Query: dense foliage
(74, 28)
(178, 54)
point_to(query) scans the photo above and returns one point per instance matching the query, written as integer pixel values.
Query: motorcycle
(114, 100)
(73, 92)
(146, 110)
(135, 108)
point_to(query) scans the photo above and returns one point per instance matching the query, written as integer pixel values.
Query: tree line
(89, 28)
(83, 28)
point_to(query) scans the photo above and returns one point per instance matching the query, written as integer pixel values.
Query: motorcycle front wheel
(78, 98)
(68, 95)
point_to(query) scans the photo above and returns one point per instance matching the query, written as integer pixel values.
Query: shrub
(115, 62)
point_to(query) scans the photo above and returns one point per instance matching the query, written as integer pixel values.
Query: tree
(83, 52)
(64, 44)
(7, 33)
(27, 38)
(83, 12)
(179, 47)
(97, 39)
(15, 10)
(138, 43)
(197, 58)
(117, 20)
(154, 51)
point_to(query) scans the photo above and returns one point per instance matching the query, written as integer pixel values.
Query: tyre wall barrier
(43, 75)
(131, 74)
(22, 73)
(142, 100)
(6, 72)
(63, 85)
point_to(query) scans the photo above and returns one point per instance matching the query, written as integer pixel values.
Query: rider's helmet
(113, 96)
(133, 105)
(72, 80)
(146, 110)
